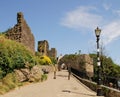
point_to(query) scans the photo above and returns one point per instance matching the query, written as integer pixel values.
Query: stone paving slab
(59, 87)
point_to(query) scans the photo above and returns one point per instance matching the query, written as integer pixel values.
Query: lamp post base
(99, 91)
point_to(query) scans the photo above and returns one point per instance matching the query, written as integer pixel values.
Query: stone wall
(106, 91)
(89, 68)
(81, 63)
(43, 48)
(84, 64)
(22, 33)
(53, 53)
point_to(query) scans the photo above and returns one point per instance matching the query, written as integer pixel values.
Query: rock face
(43, 48)
(29, 75)
(22, 33)
(47, 68)
(35, 74)
(20, 76)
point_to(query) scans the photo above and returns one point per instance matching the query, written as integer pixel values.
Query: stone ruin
(82, 63)
(53, 53)
(21, 33)
(87, 63)
(43, 48)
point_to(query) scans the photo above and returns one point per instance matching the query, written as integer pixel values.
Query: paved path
(59, 87)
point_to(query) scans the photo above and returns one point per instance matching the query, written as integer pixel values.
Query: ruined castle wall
(82, 63)
(53, 53)
(27, 37)
(43, 47)
(87, 63)
(22, 33)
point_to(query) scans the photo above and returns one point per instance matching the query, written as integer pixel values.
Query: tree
(109, 69)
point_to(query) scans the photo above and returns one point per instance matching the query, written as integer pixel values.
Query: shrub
(54, 60)
(44, 77)
(3, 89)
(10, 80)
(44, 60)
(1, 73)
(13, 55)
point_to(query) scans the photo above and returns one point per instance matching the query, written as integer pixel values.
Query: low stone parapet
(107, 91)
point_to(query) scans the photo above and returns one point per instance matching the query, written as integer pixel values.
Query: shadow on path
(60, 75)
(68, 91)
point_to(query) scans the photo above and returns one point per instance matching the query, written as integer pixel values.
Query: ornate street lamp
(99, 89)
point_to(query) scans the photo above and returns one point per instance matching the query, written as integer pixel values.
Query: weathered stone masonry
(43, 48)
(22, 33)
(53, 52)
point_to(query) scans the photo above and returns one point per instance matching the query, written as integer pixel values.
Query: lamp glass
(97, 32)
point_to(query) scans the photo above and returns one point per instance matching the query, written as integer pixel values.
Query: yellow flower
(46, 60)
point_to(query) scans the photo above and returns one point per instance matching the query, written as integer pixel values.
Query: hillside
(18, 65)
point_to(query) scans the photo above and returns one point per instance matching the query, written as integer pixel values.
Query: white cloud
(87, 18)
(107, 6)
(117, 12)
(111, 32)
(82, 17)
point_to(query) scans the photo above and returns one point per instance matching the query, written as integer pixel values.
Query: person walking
(69, 72)
(55, 69)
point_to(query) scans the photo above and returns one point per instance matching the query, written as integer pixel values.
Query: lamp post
(99, 89)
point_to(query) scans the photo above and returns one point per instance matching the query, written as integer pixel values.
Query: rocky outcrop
(20, 76)
(35, 74)
(29, 75)
(47, 68)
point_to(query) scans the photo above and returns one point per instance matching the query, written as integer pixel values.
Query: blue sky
(68, 25)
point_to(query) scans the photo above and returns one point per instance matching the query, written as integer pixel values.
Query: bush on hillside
(54, 60)
(10, 80)
(13, 55)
